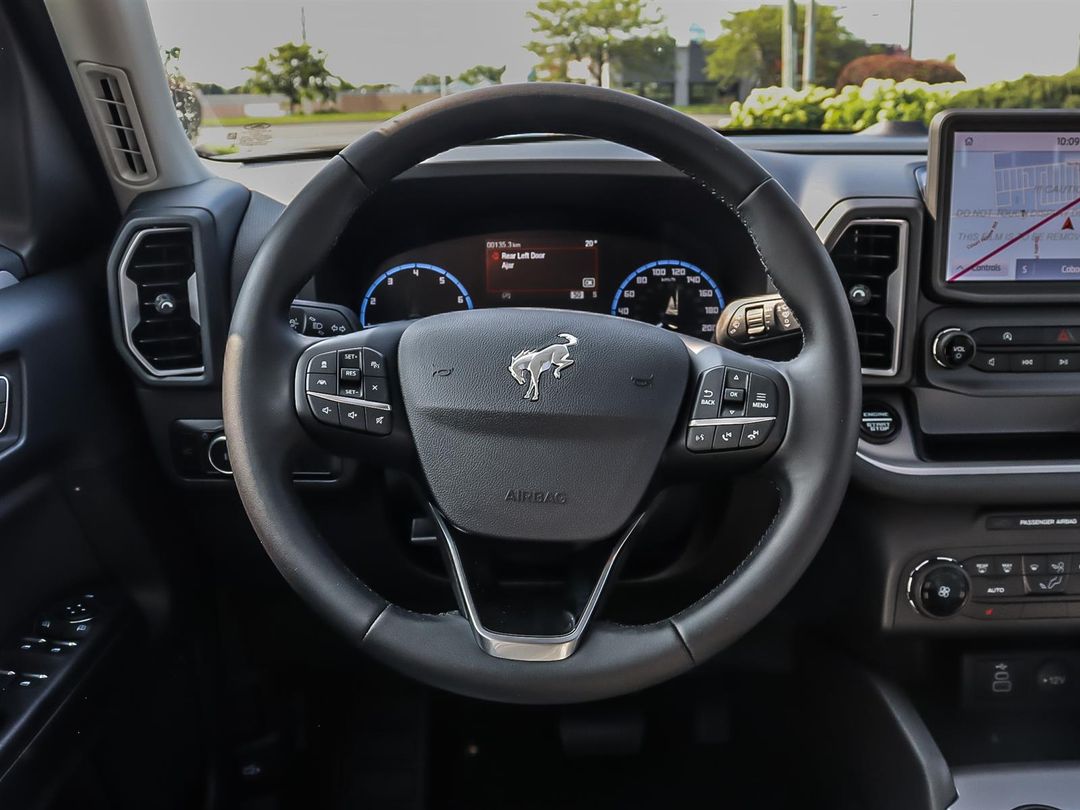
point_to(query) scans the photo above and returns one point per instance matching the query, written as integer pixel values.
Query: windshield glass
(255, 79)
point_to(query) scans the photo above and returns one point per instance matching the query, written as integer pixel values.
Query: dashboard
(969, 409)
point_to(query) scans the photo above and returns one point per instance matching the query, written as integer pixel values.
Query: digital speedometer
(412, 290)
(674, 294)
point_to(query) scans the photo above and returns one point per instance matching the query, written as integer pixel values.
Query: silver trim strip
(210, 454)
(734, 420)
(929, 468)
(5, 389)
(364, 403)
(895, 289)
(526, 648)
(129, 298)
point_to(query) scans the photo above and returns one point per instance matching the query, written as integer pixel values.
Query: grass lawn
(302, 118)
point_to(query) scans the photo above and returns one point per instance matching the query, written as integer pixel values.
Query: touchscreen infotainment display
(1013, 207)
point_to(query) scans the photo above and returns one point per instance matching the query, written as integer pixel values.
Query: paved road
(270, 139)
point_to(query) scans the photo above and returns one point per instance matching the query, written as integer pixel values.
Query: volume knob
(953, 348)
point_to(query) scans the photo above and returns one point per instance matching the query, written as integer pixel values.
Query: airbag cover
(524, 454)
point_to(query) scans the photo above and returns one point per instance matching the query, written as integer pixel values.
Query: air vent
(116, 119)
(870, 258)
(159, 293)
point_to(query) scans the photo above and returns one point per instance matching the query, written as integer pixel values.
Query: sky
(396, 41)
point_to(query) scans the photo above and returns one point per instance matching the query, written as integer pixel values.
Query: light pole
(911, 28)
(787, 45)
(808, 47)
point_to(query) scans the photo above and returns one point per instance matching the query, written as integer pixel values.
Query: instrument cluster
(613, 274)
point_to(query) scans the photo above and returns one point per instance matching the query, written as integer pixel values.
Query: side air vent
(159, 296)
(116, 119)
(870, 258)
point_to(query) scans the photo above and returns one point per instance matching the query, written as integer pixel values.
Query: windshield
(256, 79)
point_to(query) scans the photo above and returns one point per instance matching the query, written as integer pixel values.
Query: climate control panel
(1000, 584)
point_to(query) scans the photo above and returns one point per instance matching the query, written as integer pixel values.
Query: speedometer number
(671, 293)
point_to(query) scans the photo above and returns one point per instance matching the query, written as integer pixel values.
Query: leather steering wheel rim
(817, 450)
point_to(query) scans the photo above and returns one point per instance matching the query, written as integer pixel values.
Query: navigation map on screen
(1014, 210)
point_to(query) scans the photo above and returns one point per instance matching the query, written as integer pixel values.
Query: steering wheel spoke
(537, 622)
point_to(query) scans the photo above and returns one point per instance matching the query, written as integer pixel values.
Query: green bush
(855, 108)
(781, 108)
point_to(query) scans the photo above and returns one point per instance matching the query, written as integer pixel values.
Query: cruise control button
(354, 390)
(726, 438)
(735, 378)
(322, 383)
(708, 394)
(375, 389)
(761, 397)
(700, 439)
(378, 422)
(374, 363)
(325, 410)
(349, 358)
(755, 434)
(325, 363)
(352, 416)
(349, 376)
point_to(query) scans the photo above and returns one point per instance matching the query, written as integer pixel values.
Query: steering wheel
(540, 430)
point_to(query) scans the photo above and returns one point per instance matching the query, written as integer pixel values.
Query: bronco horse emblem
(537, 361)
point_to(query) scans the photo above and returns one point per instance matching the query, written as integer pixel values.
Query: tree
(430, 81)
(749, 48)
(482, 74)
(297, 72)
(587, 31)
(185, 101)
